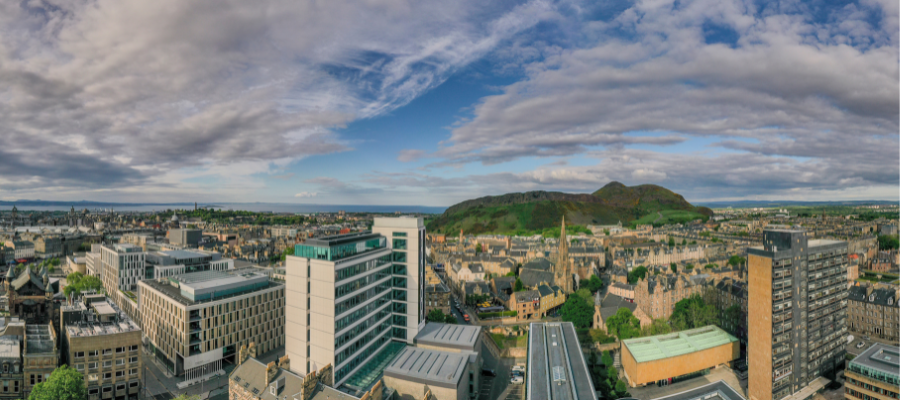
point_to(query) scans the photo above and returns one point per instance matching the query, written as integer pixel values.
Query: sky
(433, 102)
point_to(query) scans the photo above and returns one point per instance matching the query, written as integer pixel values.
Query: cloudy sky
(434, 102)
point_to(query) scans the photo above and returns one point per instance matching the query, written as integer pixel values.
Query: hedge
(497, 314)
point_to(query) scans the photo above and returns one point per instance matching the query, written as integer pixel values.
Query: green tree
(673, 267)
(671, 241)
(54, 262)
(888, 242)
(693, 312)
(518, 285)
(710, 266)
(659, 326)
(64, 384)
(622, 389)
(450, 319)
(577, 311)
(436, 315)
(683, 242)
(637, 274)
(593, 284)
(511, 273)
(607, 359)
(689, 266)
(612, 373)
(585, 294)
(623, 324)
(478, 248)
(287, 252)
(736, 260)
(77, 283)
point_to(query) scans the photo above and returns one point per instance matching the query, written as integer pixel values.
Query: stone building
(875, 311)
(657, 295)
(526, 304)
(30, 296)
(552, 298)
(11, 373)
(437, 296)
(39, 357)
(103, 344)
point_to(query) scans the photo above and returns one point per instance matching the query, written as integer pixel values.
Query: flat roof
(174, 293)
(449, 335)
(658, 347)
(880, 357)
(823, 242)
(211, 279)
(718, 390)
(9, 347)
(179, 254)
(334, 240)
(556, 366)
(432, 367)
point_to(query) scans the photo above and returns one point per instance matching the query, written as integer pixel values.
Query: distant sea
(39, 205)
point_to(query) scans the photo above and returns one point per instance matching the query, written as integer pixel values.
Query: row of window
(108, 389)
(106, 352)
(106, 364)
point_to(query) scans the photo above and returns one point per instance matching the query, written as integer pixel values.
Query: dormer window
(872, 297)
(890, 301)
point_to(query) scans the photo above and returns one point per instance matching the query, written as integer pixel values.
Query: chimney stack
(284, 362)
(271, 370)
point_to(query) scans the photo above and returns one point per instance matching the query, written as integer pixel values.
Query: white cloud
(306, 194)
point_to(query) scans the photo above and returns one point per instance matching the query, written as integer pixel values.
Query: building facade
(875, 312)
(40, 357)
(797, 311)
(874, 374)
(196, 322)
(350, 296)
(104, 345)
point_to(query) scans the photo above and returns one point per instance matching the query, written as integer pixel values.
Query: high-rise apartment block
(797, 311)
(194, 322)
(349, 297)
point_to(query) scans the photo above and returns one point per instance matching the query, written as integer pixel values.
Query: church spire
(564, 280)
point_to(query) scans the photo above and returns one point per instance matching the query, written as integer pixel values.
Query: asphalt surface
(491, 388)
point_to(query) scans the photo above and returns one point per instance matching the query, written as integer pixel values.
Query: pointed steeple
(11, 273)
(564, 275)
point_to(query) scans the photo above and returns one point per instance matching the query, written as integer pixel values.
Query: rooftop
(658, 347)
(880, 357)
(9, 347)
(432, 367)
(717, 390)
(175, 293)
(182, 254)
(334, 240)
(90, 325)
(39, 340)
(554, 354)
(449, 335)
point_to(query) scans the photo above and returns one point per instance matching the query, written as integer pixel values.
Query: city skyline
(432, 104)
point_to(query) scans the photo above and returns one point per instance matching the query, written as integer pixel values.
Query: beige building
(39, 355)
(103, 344)
(196, 322)
(665, 359)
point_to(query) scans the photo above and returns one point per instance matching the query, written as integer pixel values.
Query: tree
(436, 315)
(606, 232)
(77, 283)
(622, 389)
(518, 285)
(54, 262)
(64, 384)
(657, 327)
(478, 248)
(673, 267)
(287, 252)
(636, 274)
(510, 273)
(612, 372)
(710, 266)
(693, 312)
(607, 359)
(577, 311)
(450, 319)
(888, 242)
(689, 266)
(585, 294)
(593, 284)
(623, 324)
(185, 396)
(683, 242)
(736, 260)
(671, 241)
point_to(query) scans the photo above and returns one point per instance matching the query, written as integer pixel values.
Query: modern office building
(185, 237)
(556, 367)
(355, 300)
(797, 312)
(104, 345)
(874, 374)
(121, 266)
(196, 322)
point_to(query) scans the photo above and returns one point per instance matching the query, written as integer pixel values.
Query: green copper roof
(658, 347)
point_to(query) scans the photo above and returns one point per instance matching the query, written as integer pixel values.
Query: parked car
(517, 380)
(860, 344)
(488, 372)
(518, 369)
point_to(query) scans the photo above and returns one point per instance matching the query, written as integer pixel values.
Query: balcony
(194, 350)
(195, 327)
(194, 338)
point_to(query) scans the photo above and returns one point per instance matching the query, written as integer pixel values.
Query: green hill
(530, 212)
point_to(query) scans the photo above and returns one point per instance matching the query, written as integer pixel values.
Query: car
(518, 368)
(860, 344)
(518, 373)
(488, 372)
(517, 380)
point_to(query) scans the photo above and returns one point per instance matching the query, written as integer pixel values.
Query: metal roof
(881, 357)
(658, 347)
(449, 335)
(433, 367)
(718, 390)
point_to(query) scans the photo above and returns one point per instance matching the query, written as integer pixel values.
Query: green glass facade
(334, 253)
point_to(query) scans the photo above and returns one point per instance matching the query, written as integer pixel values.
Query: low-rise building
(526, 304)
(103, 344)
(437, 296)
(672, 357)
(23, 249)
(11, 374)
(552, 298)
(39, 357)
(874, 374)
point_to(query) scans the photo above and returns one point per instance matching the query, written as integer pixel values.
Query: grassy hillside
(535, 212)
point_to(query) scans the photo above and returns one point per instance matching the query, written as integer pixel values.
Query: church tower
(563, 272)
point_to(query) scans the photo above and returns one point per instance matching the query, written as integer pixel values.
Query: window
(120, 349)
(107, 389)
(107, 364)
(107, 375)
(133, 384)
(120, 374)
(132, 371)
(94, 391)
(120, 386)
(92, 353)
(92, 365)
(133, 347)
(107, 352)
(132, 360)
(79, 354)
(32, 379)
(120, 361)
(79, 367)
